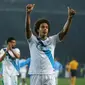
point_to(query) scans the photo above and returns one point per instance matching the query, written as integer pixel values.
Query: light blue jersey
(26, 62)
(58, 66)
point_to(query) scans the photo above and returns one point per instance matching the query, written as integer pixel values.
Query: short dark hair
(10, 39)
(39, 22)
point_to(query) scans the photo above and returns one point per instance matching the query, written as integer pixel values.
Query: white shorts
(10, 80)
(56, 74)
(67, 74)
(23, 75)
(42, 79)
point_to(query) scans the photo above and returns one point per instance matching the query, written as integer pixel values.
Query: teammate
(42, 48)
(9, 57)
(67, 70)
(58, 69)
(23, 63)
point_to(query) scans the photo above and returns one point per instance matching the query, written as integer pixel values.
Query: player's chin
(45, 35)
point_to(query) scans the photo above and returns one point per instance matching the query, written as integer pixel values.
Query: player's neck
(43, 37)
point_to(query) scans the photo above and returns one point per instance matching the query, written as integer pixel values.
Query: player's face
(43, 30)
(13, 43)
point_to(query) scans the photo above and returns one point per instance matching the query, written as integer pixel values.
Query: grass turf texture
(62, 81)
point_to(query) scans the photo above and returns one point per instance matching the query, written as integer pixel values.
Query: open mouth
(45, 32)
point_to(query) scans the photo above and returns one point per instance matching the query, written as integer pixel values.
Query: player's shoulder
(3, 49)
(33, 37)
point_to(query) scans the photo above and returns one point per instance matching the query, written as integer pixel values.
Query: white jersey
(10, 65)
(24, 68)
(40, 63)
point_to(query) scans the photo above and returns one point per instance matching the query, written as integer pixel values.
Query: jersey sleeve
(32, 39)
(55, 39)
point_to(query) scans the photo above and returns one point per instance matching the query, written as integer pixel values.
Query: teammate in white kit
(23, 71)
(42, 48)
(9, 57)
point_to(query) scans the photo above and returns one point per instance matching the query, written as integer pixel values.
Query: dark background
(12, 23)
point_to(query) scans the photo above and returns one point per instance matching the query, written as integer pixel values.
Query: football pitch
(62, 81)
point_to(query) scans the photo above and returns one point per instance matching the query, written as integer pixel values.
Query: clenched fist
(29, 7)
(71, 12)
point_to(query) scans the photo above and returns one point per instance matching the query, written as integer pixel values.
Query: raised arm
(29, 8)
(66, 27)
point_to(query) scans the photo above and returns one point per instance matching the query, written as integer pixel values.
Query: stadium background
(12, 23)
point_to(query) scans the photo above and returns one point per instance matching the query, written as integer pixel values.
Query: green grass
(63, 81)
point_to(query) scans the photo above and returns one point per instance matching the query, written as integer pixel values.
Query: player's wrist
(27, 11)
(70, 17)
